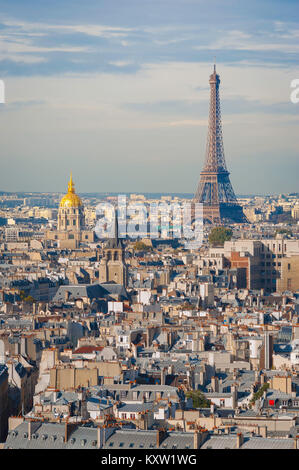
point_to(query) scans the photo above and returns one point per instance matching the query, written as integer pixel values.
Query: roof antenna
(214, 64)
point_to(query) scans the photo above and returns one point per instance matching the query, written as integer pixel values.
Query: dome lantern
(71, 199)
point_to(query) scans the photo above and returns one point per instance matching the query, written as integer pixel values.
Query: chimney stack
(100, 434)
(240, 440)
(161, 435)
(215, 384)
(196, 440)
(199, 438)
(262, 430)
(163, 375)
(68, 429)
(32, 428)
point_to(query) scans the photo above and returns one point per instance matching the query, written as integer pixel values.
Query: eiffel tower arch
(215, 190)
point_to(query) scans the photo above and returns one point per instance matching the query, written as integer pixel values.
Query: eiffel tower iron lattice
(215, 190)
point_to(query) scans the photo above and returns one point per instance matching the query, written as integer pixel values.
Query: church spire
(71, 186)
(115, 242)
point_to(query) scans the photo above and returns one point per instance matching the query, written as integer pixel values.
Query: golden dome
(71, 199)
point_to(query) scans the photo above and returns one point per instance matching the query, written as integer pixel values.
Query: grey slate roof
(137, 439)
(91, 291)
(135, 408)
(220, 442)
(51, 436)
(267, 443)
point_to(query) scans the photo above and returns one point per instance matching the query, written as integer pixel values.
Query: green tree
(198, 398)
(219, 235)
(22, 295)
(140, 246)
(259, 393)
(187, 306)
(284, 231)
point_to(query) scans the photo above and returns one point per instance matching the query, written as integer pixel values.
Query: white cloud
(20, 58)
(18, 38)
(87, 29)
(25, 46)
(240, 41)
(100, 100)
(82, 119)
(121, 63)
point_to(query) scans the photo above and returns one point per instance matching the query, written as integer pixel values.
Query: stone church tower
(112, 266)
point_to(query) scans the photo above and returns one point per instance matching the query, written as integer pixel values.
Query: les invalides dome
(71, 199)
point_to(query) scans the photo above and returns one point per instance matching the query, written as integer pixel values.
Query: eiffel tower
(214, 190)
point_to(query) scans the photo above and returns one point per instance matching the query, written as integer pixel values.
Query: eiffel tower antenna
(214, 190)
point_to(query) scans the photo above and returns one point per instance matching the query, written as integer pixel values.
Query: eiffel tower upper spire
(215, 160)
(215, 191)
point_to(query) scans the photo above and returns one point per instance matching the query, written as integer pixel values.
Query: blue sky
(117, 91)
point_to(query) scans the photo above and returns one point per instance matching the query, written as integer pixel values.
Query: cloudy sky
(117, 91)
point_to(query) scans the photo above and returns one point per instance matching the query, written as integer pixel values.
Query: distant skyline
(117, 92)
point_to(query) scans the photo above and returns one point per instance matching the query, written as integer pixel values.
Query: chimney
(199, 438)
(212, 408)
(161, 435)
(68, 429)
(196, 440)
(240, 440)
(163, 375)
(33, 427)
(145, 418)
(115, 409)
(234, 392)
(262, 430)
(100, 435)
(67, 295)
(214, 384)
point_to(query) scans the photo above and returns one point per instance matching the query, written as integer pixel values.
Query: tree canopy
(260, 392)
(199, 399)
(219, 235)
(140, 246)
(283, 231)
